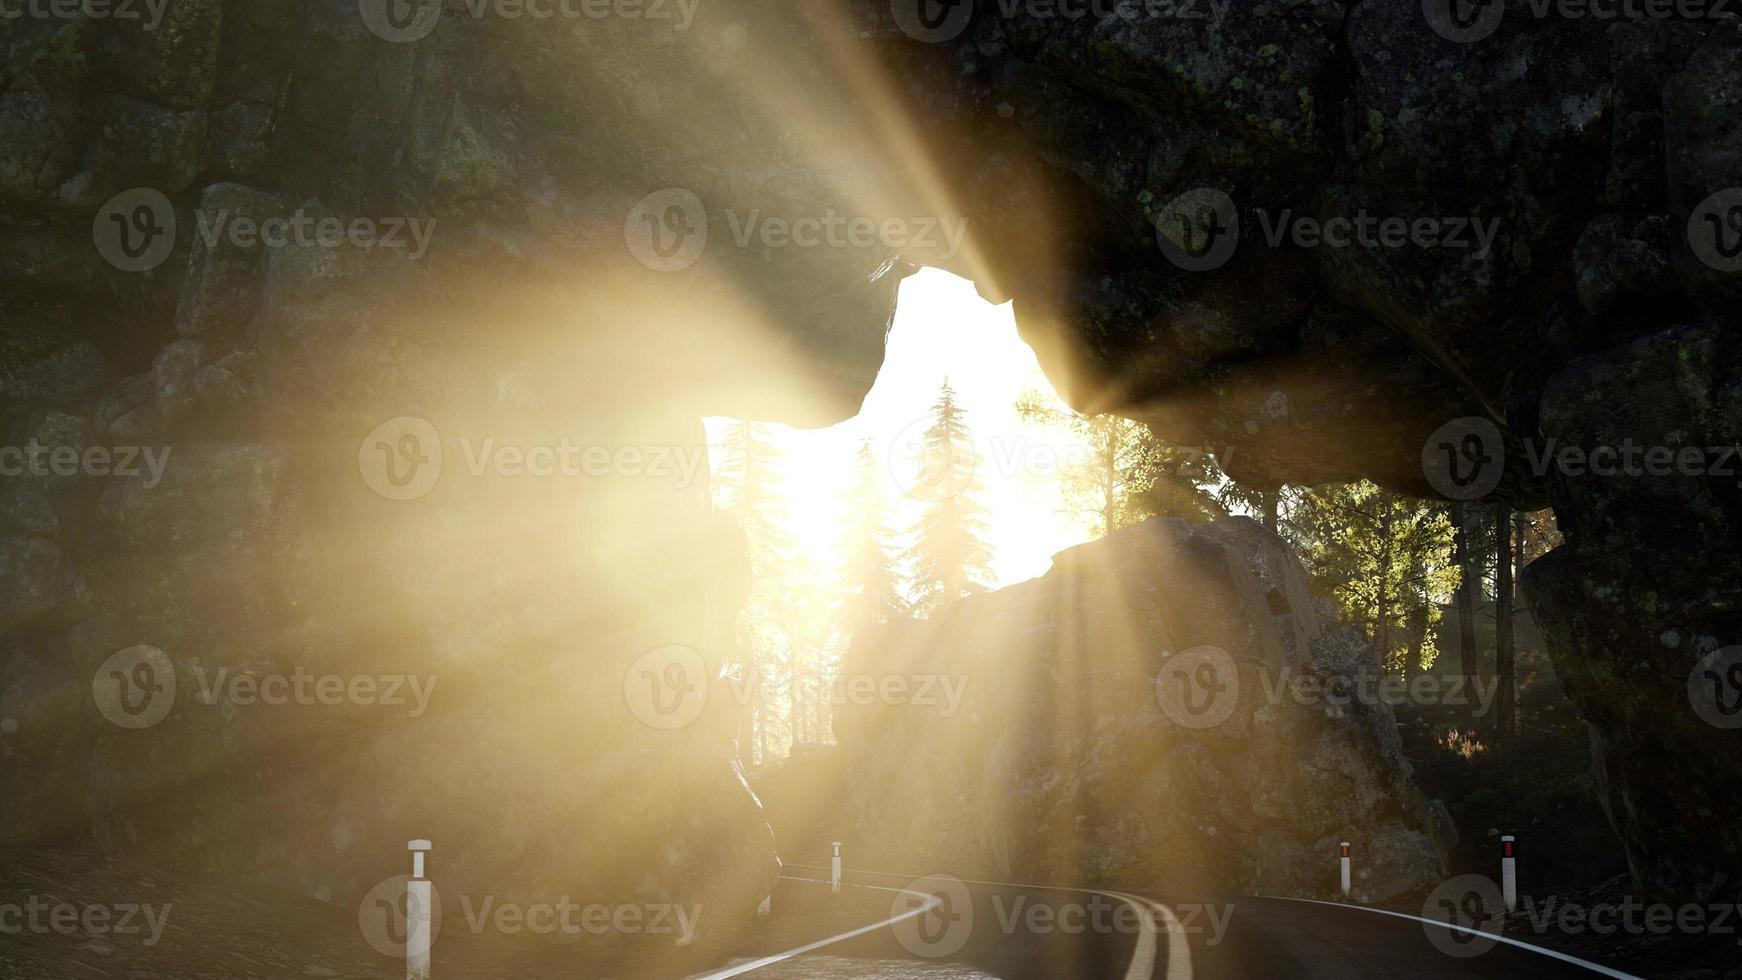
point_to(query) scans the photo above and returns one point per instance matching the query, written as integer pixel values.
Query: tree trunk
(1272, 498)
(1505, 653)
(1110, 498)
(1417, 621)
(1469, 581)
(1382, 612)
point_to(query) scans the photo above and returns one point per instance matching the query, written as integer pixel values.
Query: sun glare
(942, 331)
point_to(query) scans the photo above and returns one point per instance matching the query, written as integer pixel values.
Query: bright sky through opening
(942, 329)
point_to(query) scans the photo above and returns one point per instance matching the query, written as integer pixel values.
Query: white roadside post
(835, 869)
(1343, 862)
(417, 915)
(1508, 873)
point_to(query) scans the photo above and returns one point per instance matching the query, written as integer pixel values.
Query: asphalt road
(1025, 932)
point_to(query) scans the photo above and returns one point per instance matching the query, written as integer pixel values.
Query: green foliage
(1128, 475)
(1384, 559)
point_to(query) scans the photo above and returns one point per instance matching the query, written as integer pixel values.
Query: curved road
(951, 929)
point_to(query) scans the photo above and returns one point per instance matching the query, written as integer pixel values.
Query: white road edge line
(929, 902)
(1179, 951)
(1574, 960)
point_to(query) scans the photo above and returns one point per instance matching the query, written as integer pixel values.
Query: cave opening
(825, 510)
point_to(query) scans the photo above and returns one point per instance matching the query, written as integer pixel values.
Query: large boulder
(1068, 752)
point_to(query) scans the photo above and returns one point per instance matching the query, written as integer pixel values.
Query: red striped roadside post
(835, 869)
(1509, 873)
(417, 915)
(1343, 861)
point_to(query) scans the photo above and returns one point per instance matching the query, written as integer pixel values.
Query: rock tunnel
(598, 262)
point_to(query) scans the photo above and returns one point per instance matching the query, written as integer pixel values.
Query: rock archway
(549, 157)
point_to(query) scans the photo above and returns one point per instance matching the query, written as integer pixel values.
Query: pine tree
(1265, 505)
(1129, 475)
(950, 557)
(749, 482)
(868, 588)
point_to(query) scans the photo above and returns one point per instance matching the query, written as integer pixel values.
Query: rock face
(1073, 752)
(1600, 156)
(552, 182)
